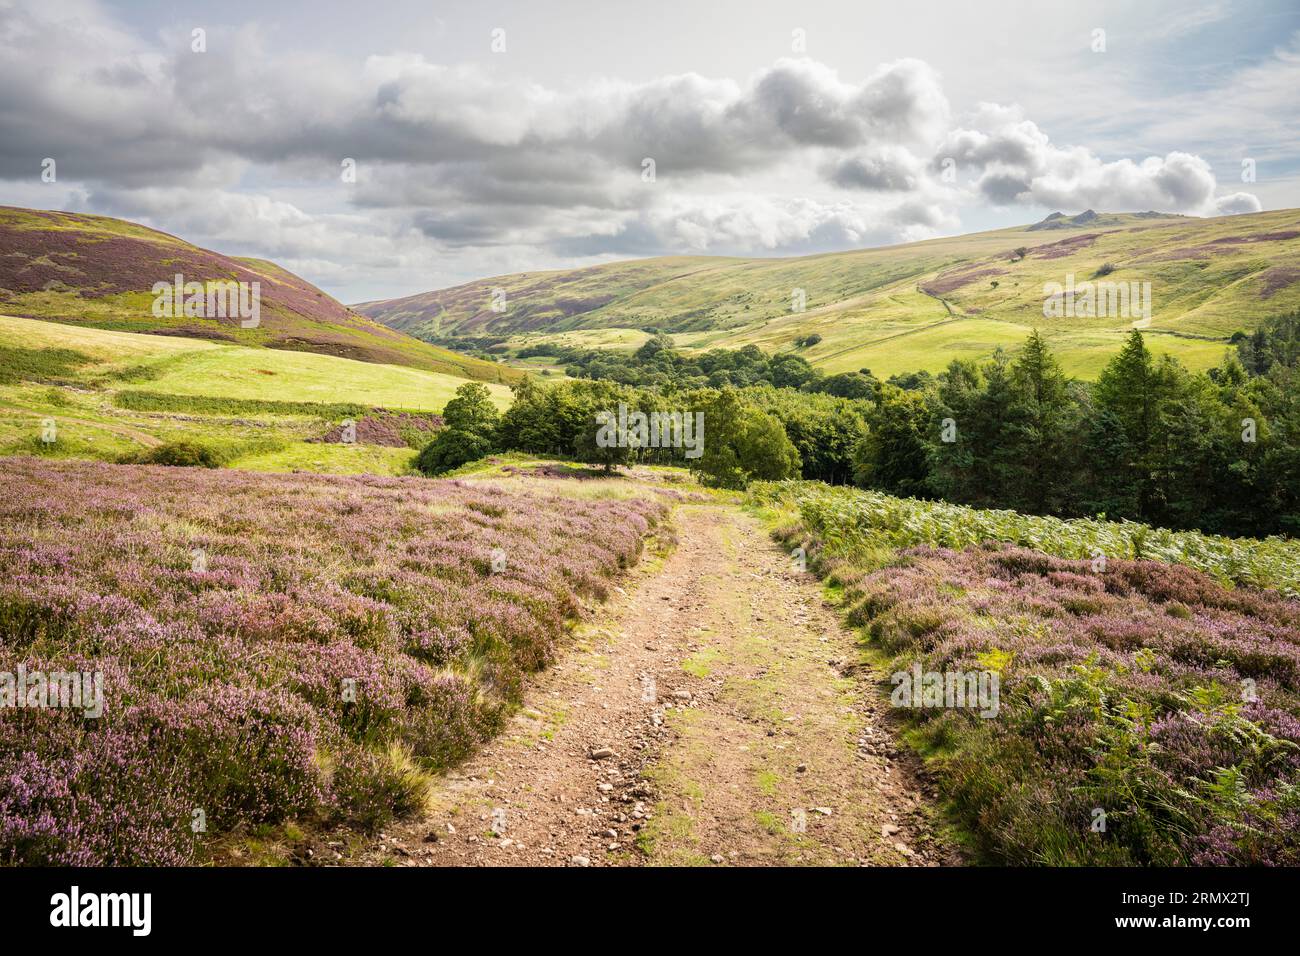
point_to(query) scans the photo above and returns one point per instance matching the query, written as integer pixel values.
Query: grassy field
(931, 345)
(618, 340)
(908, 307)
(117, 394)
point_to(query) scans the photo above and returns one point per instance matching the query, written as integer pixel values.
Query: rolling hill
(905, 307)
(98, 271)
(114, 396)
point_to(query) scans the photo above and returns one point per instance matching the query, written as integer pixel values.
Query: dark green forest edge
(1149, 441)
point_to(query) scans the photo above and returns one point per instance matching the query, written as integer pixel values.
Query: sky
(386, 148)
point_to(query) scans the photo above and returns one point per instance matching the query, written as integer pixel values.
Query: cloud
(1012, 161)
(336, 246)
(241, 146)
(1236, 203)
(890, 169)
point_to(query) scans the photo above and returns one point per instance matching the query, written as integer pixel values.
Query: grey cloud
(807, 104)
(160, 111)
(887, 170)
(526, 177)
(1002, 187)
(458, 229)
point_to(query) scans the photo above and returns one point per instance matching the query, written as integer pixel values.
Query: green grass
(617, 340)
(1082, 353)
(38, 365)
(117, 395)
(1209, 278)
(332, 459)
(239, 373)
(101, 345)
(191, 367)
(700, 664)
(147, 401)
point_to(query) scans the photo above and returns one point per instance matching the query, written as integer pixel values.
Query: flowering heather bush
(393, 429)
(1145, 690)
(272, 646)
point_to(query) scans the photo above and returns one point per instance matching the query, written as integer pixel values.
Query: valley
(549, 652)
(453, 445)
(901, 308)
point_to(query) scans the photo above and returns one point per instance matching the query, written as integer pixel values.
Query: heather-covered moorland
(98, 271)
(896, 309)
(273, 647)
(1149, 712)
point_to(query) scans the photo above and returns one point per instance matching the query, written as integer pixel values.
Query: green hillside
(911, 306)
(98, 271)
(117, 395)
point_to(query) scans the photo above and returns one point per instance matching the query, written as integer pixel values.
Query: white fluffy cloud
(1011, 160)
(242, 146)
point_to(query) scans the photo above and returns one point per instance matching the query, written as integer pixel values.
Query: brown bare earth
(951, 281)
(1065, 247)
(707, 716)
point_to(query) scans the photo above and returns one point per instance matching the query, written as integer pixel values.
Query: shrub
(38, 365)
(146, 401)
(182, 454)
(373, 787)
(470, 424)
(451, 448)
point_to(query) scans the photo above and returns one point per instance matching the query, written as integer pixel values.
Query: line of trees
(657, 365)
(1149, 440)
(739, 440)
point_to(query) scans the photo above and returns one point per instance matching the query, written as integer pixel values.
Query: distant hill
(98, 271)
(910, 306)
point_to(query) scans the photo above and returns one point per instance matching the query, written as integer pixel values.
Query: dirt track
(714, 681)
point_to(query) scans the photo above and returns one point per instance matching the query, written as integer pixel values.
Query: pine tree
(1127, 389)
(892, 455)
(1046, 444)
(1107, 481)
